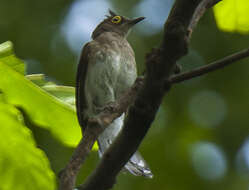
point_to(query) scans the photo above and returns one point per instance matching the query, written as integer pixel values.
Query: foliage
(232, 15)
(43, 109)
(23, 165)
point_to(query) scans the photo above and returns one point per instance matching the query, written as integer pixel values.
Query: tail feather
(136, 165)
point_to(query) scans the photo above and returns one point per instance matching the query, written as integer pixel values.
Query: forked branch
(143, 98)
(142, 111)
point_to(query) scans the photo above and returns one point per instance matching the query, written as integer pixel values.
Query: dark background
(200, 138)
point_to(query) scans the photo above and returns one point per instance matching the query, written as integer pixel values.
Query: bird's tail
(136, 165)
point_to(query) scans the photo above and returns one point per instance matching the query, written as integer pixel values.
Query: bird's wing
(80, 85)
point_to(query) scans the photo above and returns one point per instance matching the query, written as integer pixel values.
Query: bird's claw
(177, 69)
(109, 107)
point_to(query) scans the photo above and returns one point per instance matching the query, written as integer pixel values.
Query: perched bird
(106, 69)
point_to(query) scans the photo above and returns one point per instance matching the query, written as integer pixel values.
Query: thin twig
(201, 9)
(210, 67)
(69, 173)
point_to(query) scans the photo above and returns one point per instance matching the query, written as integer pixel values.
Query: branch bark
(219, 64)
(200, 10)
(141, 113)
(69, 173)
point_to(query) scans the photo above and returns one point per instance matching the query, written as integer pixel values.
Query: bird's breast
(117, 66)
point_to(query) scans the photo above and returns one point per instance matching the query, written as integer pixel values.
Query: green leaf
(38, 79)
(7, 56)
(232, 15)
(44, 109)
(23, 165)
(48, 105)
(64, 93)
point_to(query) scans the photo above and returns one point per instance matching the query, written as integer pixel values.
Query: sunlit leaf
(44, 109)
(64, 93)
(232, 15)
(22, 165)
(8, 57)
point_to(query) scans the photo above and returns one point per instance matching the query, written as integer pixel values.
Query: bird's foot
(109, 107)
(177, 69)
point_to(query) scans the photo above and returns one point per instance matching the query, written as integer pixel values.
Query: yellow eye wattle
(116, 19)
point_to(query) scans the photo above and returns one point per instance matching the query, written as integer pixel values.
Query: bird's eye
(116, 19)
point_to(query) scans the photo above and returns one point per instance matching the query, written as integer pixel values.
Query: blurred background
(200, 138)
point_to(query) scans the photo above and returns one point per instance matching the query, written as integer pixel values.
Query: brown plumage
(106, 69)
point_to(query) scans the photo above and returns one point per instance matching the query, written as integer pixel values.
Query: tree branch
(210, 67)
(178, 29)
(160, 63)
(69, 173)
(200, 10)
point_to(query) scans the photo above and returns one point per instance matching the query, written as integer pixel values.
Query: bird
(107, 69)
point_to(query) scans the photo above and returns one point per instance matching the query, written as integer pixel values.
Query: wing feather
(80, 86)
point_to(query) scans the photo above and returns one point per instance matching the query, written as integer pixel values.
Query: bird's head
(116, 23)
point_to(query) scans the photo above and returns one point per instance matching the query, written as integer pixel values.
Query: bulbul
(107, 68)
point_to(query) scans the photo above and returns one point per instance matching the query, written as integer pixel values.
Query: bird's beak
(136, 20)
